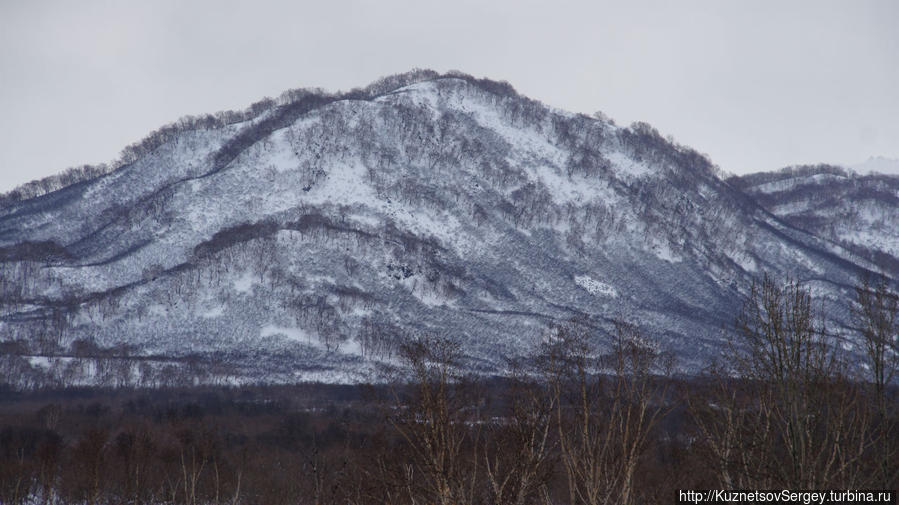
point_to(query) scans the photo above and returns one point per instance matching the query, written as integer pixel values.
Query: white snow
(213, 312)
(627, 166)
(244, 283)
(297, 334)
(663, 251)
(881, 240)
(795, 207)
(595, 287)
(39, 362)
(345, 184)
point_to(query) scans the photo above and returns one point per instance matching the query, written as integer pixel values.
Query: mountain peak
(307, 237)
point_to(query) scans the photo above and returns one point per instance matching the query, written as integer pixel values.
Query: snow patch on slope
(244, 283)
(627, 166)
(213, 312)
(595, 287)
(295, 334)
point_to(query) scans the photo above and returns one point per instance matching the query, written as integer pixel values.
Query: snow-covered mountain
(306, 237)
(858, 212)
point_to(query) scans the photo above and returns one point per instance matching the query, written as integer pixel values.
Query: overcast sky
(756, 85)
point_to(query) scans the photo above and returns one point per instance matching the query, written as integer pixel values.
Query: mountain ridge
(837, 204)
(306, 242)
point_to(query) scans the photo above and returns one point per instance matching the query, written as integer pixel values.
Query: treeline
(786, 173)
(86, 363)
(580, 420)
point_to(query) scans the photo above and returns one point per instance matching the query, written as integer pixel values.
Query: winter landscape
(435, 289)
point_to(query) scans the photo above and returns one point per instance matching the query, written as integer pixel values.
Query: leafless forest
(579, 421)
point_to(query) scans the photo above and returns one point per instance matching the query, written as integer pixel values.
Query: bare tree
(875, 314)
(790, 416)
(439, 422)
(606, 409)
(519, 448)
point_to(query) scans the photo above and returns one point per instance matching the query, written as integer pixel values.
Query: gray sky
(757, 85)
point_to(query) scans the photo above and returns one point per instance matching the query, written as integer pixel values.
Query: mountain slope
(307, 240)
(860, 213)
